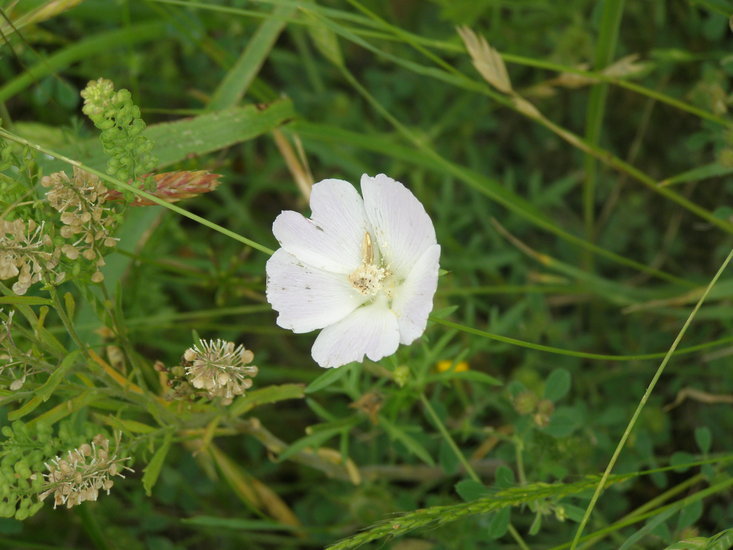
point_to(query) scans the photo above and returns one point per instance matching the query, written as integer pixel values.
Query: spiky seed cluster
(114, 113)
(220, 368)
(87, 222)
(26, 252)
(82, 473)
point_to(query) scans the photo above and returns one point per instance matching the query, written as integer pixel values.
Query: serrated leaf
(557, 385)
(152, 470)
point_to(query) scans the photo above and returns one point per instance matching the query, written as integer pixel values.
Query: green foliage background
(591, 229)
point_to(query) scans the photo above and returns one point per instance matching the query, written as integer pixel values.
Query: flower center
(367, 279)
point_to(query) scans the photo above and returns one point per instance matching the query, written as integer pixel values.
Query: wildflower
(448, 365)
(363, 270)
(219, 368)
(24, 253)
(82, 473)
(87, 222)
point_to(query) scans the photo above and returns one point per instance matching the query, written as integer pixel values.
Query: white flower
(364, 271)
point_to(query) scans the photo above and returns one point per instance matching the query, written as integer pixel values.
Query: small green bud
(401, 375)
(525, 402)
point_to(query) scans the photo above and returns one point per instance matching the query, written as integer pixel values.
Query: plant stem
(466, 465)
(642, 403)
(448, 439)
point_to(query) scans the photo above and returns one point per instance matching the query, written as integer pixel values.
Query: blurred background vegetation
(603, 253)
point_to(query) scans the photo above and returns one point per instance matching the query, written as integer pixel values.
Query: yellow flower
(447, 365)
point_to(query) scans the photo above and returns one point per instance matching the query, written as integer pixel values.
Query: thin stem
(68, 324)
(448, 439)
(474, 180)
(462, 459)
(573, 353)
(642, 403)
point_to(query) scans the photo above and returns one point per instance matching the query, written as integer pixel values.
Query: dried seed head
(82, 473)
(220, 368)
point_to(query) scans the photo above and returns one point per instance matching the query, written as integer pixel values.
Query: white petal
(401, 227)
(307, 298)
(332, 238)
(413, 300)
(370, 330)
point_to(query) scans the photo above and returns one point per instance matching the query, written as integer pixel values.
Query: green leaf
(557, 385)
(152, 470)
(270, 394)
(499, 524)
(563, 422)
(443, 312)
(324, 38)
(689, 515)
(182, 139)
(712, 170)
(704, 439)
(25, 300)
(650, 526)
(469, 490)
(327, 378)
(681, 458)
(412, 445)
(127, 425)
(314, 440)
(44, 392)
(504, 477)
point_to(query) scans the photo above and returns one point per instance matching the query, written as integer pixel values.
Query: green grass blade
(605, 48)
(231, 90)
(643, 401)
(82, 50)
(181, 139)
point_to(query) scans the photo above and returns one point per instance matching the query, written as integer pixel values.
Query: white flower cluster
(86, 221)
(25, 252)
(220, 368)
(362, 269)
(82, 473)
